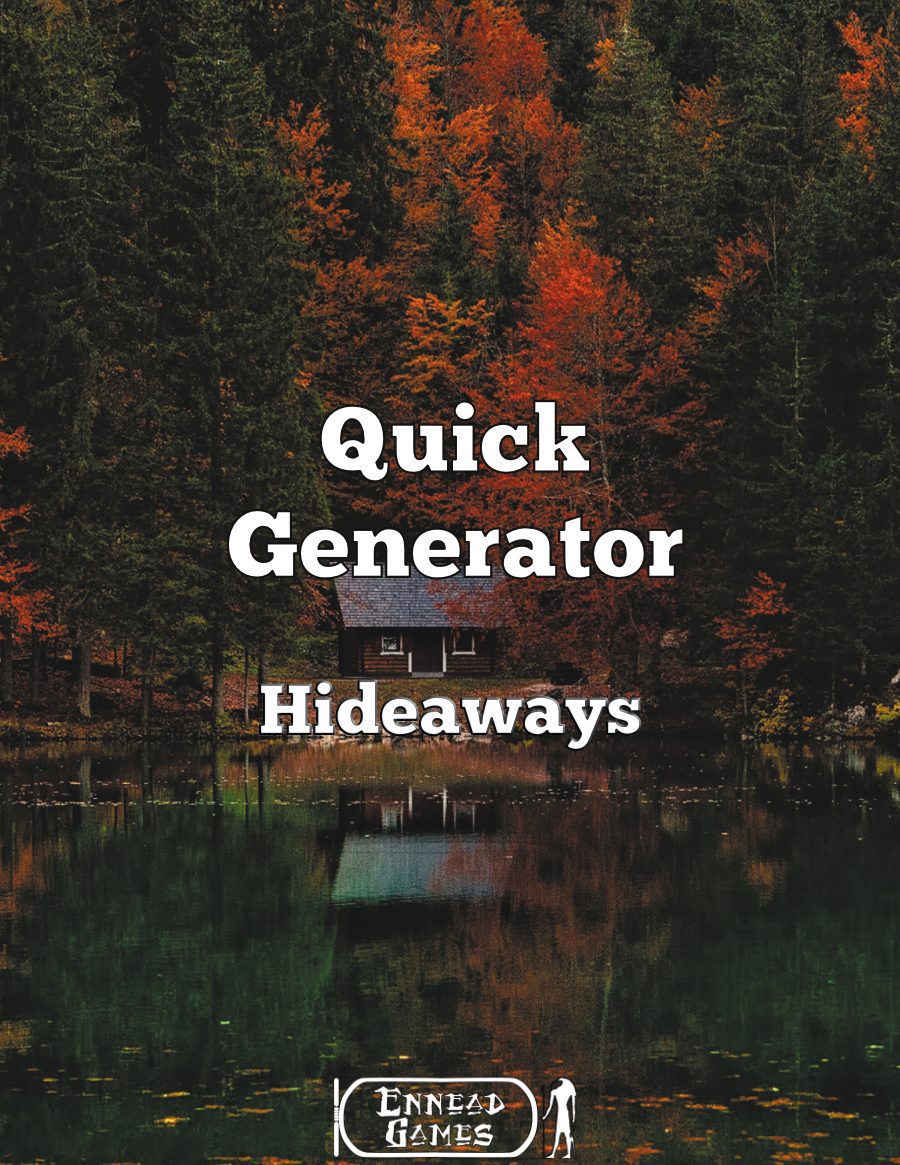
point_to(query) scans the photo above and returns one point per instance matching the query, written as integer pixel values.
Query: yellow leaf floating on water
(168, 1121)
(837, 1116)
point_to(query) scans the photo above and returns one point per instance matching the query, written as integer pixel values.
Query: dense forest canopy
(679, 220)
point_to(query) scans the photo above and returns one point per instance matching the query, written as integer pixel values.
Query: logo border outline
(341, 1132)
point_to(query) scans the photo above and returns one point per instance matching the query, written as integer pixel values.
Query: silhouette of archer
(562, 1098)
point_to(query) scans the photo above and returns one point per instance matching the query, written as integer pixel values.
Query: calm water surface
(192, 947)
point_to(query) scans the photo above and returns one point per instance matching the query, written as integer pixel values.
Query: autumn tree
(587, 341)
(15, 607)
(754, 635)
(331, 57)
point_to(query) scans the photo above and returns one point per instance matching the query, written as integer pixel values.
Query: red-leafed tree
(865, 88)
(587, 342)
(475, 126)
(323, 215)
(754, 635)
(23, 608)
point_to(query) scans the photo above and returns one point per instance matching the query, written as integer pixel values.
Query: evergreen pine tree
(220, 344)
(63, 191)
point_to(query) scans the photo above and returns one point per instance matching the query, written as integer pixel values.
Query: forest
(677, 219)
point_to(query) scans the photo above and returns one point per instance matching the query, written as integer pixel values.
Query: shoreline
(183, 715)
(19, 729)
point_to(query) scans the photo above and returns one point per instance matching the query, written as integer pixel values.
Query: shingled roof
(416, 601)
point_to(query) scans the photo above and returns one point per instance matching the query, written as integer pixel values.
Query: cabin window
(463, 642)
(392, 643)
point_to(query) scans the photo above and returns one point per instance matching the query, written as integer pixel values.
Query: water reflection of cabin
(408, 811)
(415, 626)
(403, 845)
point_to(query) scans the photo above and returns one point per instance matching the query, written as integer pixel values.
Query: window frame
(455, 650)
(398, 650)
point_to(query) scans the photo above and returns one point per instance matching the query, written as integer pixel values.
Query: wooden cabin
(415, 626)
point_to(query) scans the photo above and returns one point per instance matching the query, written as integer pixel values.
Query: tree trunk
(146, 690)
(125, 660)
(218, 677)
(261, 676)
(34, 671)
(7, 695)
(246, 685)
(84, 675)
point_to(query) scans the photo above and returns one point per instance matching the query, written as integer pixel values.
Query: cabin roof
(416, 601)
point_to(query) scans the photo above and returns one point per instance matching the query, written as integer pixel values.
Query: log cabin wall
(361, 655)
(374, 663)
(479, 664)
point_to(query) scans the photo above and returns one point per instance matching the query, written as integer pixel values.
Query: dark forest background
(677, 218)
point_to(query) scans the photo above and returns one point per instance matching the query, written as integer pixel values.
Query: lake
(705, 940)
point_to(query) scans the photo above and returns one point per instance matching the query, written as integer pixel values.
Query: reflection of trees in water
(198, 945)
(633, 937)
(526, 977)
(638, 924)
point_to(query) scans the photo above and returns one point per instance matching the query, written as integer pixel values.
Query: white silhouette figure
(562, 1098)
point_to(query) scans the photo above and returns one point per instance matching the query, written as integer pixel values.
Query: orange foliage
(752, 636)
(738, 264)
(877, 56)
(701, 118)
(21, 608)
(419, 126)
(324, 218)
(468, 165)
(602, 62)
(586, 342)
(473, 113)
(504, 61)
(473, 107)
(444, 347)
(443, 356)
(357, 308)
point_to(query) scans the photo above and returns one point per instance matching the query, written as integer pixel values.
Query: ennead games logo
(448, 1116)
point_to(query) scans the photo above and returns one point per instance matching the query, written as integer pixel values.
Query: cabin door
(428, 651)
